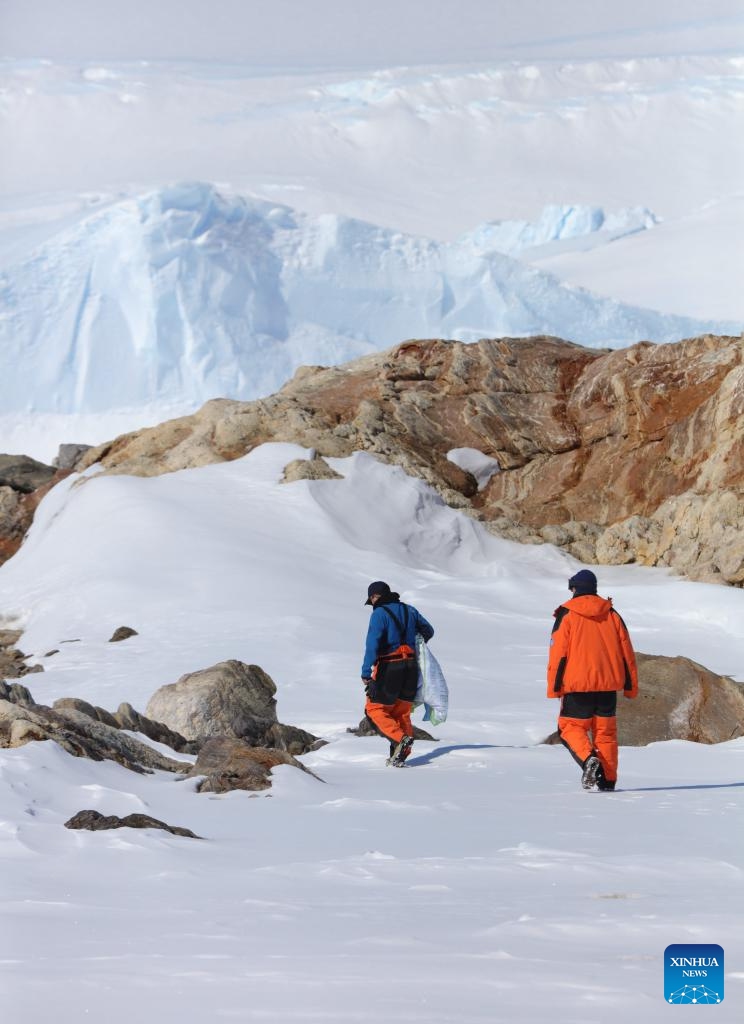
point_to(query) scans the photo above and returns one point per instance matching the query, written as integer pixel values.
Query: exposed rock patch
(76, 731)
(94, 821)
(618, 456)
(23, 483)
(12, 660)
(229, 699)
(122, 633)
(227, 763)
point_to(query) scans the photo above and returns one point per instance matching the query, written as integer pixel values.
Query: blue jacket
(390, 625)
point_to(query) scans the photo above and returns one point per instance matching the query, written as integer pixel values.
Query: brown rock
(678, 700)
(122, 633)
(227, 763)
(629, 455)
(23, 483)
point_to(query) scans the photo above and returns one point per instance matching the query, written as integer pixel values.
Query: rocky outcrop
(12, 660)
(633, 455)
(23, 483)
(126, 717)
(229, 699)
(225, 763)
(678, 700)
(94, 821)
(76, 731)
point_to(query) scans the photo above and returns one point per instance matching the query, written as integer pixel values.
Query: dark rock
(94, 822)
(367, 728)
(123, 633)
(24, 474)
(23, 483)
(68, 455)
(13, 661)
(16, 694)
(227, 763)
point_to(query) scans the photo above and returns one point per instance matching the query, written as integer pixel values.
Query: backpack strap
(402, 629)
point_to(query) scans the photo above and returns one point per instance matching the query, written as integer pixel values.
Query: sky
(338, 32)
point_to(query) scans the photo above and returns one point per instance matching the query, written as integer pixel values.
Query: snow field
(480, 883)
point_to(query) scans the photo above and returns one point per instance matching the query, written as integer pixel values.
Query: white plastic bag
(432, 686)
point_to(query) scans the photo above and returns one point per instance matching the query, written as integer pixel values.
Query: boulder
(678, 700)
(94, 821)
(122, 633)
(229, 699)
(226, 764)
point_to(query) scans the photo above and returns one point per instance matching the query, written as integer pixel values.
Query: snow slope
(185, 294)
(479, 884)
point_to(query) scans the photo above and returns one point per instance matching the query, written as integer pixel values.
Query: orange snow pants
(591, 714)
(392, 720)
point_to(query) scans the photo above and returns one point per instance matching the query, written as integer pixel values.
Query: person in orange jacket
(591, 660)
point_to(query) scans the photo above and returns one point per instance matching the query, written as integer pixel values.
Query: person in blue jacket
(389, 669)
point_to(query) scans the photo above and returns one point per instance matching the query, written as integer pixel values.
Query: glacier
(188, 293)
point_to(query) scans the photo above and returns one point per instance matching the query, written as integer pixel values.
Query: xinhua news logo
(693, 974)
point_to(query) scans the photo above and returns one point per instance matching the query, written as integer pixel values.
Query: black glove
(367, 682)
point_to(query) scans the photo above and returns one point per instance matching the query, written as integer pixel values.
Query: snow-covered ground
(479, 884)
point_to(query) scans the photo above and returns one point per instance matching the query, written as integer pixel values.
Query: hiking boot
(591, 772)
(605, 785)
(398, 756)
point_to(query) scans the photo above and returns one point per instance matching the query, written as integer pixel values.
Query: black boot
(590, 774)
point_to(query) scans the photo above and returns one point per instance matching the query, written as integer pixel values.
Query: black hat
(584, 582)
(378, 587)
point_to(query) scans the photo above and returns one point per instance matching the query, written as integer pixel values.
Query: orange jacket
(590, 649)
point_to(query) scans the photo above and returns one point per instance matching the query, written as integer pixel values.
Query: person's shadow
(670, 789)
(432, 755)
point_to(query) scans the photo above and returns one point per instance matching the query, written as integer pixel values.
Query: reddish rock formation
(23, 483)
(618, 456)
